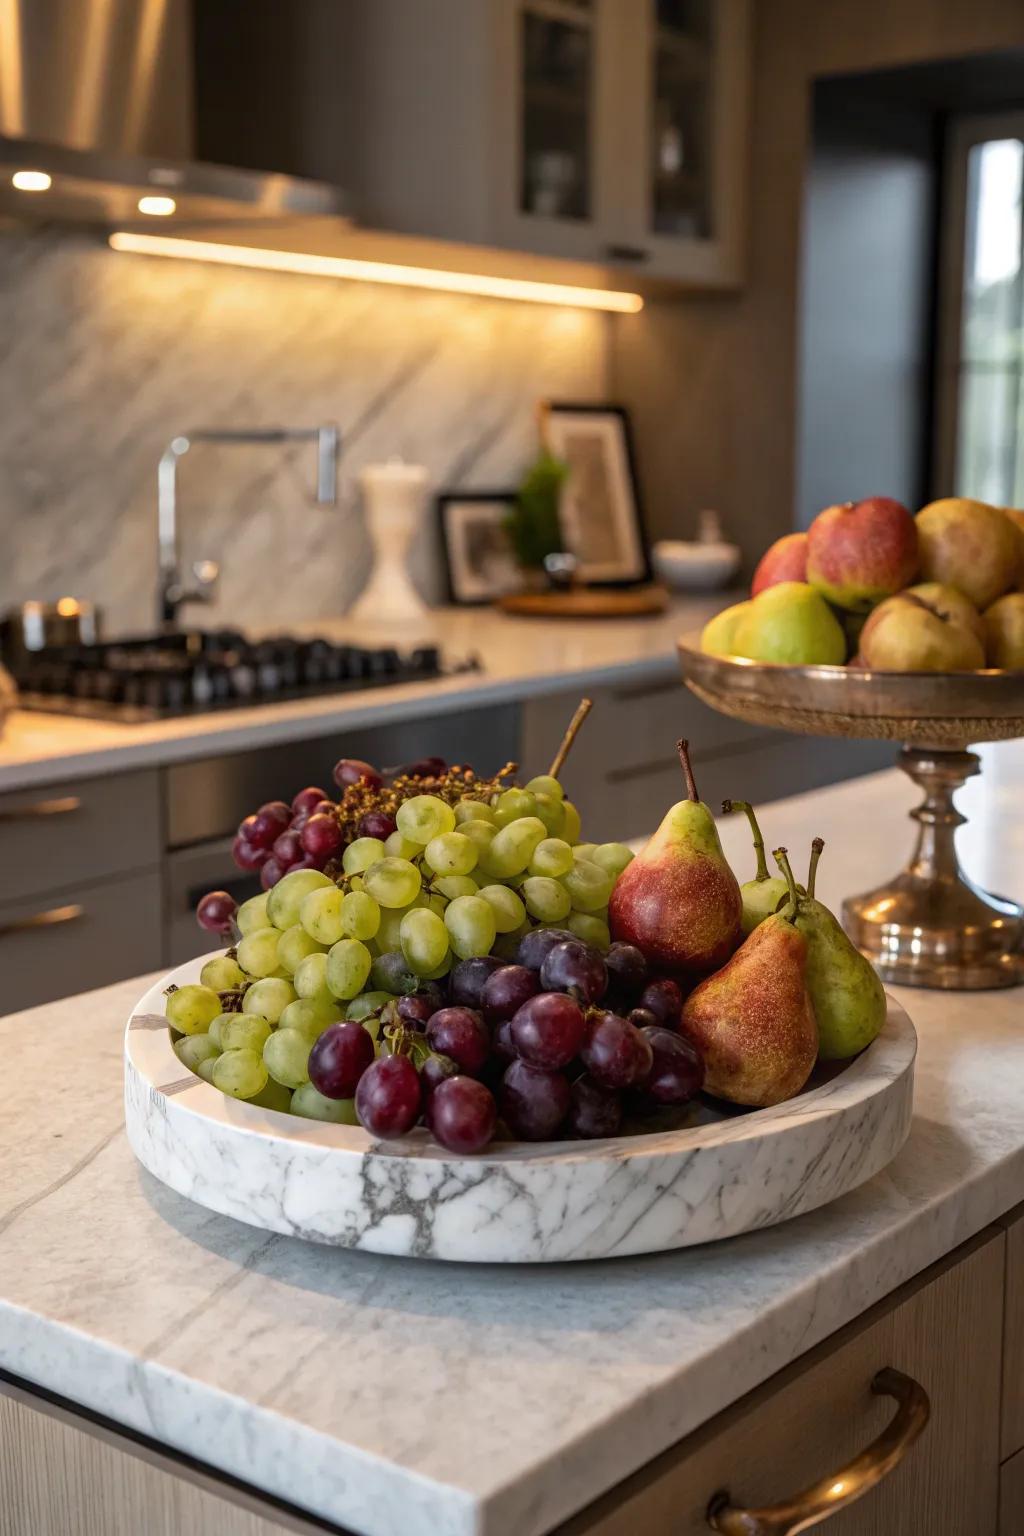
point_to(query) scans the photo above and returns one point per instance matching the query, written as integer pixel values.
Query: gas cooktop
(159, 677)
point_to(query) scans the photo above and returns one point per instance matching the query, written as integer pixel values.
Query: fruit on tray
(719, 634)
(1004, 631)
(950, 603)
(766, 893)
(970, 546)
(753, 1021)
(845, 992)
(793, 625)
(907, 634)
(785, 560)
(862, 551)
(678, 901)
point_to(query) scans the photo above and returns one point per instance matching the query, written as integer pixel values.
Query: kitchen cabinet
(1013, 1346)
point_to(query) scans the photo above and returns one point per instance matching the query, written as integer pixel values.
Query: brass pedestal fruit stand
(929, 926)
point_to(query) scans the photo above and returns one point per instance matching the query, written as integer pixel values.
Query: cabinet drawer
(66, 834)
(1013, 1341)
(87, 936)
(1011, 1496)
(812, 1419)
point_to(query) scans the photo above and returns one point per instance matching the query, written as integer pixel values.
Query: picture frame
(479, 557)
(601, 512)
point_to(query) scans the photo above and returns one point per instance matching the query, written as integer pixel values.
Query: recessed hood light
(32, 181)
(157, 207)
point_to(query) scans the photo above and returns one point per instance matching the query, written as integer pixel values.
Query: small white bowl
(691, 567)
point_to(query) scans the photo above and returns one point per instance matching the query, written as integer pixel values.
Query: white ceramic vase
(393, 498)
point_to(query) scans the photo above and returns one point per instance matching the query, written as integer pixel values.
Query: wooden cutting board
(588, 603)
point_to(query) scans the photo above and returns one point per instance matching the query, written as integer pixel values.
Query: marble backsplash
(106, 357)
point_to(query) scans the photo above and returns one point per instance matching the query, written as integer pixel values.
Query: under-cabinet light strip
(378, 272)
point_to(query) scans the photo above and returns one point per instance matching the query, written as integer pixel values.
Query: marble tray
(515, 1204)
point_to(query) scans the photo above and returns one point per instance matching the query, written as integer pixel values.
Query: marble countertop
(519, 658)
(404, 1398)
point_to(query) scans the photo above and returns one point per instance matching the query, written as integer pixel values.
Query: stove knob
(425, 661)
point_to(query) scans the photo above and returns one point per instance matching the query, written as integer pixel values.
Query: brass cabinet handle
(50, 919)
(835, 1491)
(62, 807)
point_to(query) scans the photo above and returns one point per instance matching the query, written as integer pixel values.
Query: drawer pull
(62, 807)
(50, 919)
(823, 1498)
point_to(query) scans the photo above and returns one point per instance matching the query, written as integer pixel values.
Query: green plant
(533, 525)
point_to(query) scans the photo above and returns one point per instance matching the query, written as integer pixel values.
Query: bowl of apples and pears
(879, 624)
(451, 1029)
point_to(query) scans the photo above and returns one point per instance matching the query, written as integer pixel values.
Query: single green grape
(192, 1008)
(612, 857)
(512, 847)
(222, 974)
(388, 937)
(552, 813)
(589, 885)
(244, 1032)
(205, 1068)
(424, 940)
(273, 1096)
(480, 833)
(583, 850)
(252, 914)
(215, 1028)
(507, 907)
(551, 857)
(286, 897)
(423, 817)
(474, 810)
(193, 1049)
(308, 1102)
(320, 915)
(257, 952)
(593, 930)
(451, 853)
(268, 998)
(398, 846)
(450, 886)
(310, 1016)
(348, 966)
(393, 882)
(546, 899)
(240, 1073)
(360, 915)
(573, 826)
(286, 1057)
(471, 926)
(512, 805)
(310, 980)
(545, 784)
(361, 854)
(295, 945)
(367, 1003)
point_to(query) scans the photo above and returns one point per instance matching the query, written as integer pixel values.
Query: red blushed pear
(678, 901)
(785, 560)
(753, 1021)
(861, 552)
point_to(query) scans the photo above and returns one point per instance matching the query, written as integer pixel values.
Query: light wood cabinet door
(944, 1330)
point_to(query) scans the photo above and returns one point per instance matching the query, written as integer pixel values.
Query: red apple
(785, 560)
(861, 552)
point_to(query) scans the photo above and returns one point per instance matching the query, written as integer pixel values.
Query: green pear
(847, 996)
(790, 624)
(718, 635)
(766, 893)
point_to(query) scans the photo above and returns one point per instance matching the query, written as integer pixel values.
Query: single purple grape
(665, 1000)
(434, 1071)
(340, 1056)
(288, 849)
(575, 968)
(547, 1031)
(468, 978)
(677, 1069)
(321, 837)
(306, 799)
(533, 1102)
(377, 824)
(534, 946)
(627, 970)
(216, 912)
(463, 1114)
(643, 1018)
(505, 991)
(415, 1010)
(351, 770)
(502, 1044)
(270, 873)
(461, 1034)
(594, 1110)
(248, 857)
(389, 1097)
(614, 1051)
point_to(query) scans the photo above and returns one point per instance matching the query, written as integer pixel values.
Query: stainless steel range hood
(99, 95)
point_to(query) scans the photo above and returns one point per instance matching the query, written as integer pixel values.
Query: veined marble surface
(406, 1398)
(520, 658)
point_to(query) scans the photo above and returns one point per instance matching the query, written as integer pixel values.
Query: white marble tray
(514, 1204)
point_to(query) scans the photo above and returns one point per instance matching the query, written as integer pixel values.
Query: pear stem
(583, 709)
(748, 811)
(812, 870)
(781, 857)
(683, 748)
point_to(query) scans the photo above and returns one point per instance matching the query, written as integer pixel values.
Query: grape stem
(583, 709)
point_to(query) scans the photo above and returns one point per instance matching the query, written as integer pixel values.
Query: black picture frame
(636, 565)
(466, 587)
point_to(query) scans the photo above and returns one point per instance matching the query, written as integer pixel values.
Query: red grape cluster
(560, 1043)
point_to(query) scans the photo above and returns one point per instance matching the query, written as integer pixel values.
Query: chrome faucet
(171, 590)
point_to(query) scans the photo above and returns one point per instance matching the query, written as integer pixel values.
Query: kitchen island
(403, 1398)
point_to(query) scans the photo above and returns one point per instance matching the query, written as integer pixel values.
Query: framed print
(478, 551)
(600, 514)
